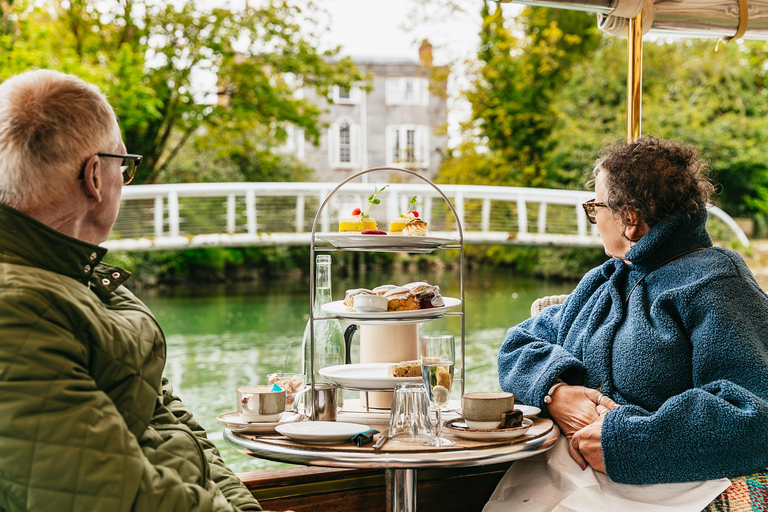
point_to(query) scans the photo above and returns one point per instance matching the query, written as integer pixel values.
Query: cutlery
(383, 439)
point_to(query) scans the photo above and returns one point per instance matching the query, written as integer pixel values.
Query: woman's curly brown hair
(654, 178)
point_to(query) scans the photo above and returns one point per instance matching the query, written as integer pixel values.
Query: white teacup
(260, 403)
(484, 410)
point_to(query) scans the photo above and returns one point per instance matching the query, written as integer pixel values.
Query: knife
(383, 439)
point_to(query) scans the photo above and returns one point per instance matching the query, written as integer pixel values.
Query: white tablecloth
(552, 481)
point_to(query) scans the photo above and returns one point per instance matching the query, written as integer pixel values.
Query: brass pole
(634, 77)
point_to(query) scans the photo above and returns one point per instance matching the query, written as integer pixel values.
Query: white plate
(528, 410)
(322, 432)
(369, 376)
(497, 434)
(339, 309)
(351, 240)
(237, 424)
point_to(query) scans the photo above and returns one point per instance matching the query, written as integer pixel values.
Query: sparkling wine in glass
(437, 355)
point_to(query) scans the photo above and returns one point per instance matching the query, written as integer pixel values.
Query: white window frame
(353, 98)
(407, 90)
(398, 150)
(335, 145)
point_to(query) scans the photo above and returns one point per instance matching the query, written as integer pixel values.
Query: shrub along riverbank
(229, 264)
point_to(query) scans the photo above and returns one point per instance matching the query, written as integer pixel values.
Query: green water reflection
(223, 337)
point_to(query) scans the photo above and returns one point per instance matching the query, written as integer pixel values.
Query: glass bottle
(329, 338)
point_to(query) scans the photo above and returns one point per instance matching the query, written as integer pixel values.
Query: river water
(223, 337)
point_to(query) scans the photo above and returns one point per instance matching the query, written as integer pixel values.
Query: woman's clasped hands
(579, 412)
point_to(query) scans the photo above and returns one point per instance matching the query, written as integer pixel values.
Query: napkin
(552, 481)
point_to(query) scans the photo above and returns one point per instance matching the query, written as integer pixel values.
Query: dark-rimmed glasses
(589, 210)
(127, 167)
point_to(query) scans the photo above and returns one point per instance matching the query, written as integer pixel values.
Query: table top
(396, 454)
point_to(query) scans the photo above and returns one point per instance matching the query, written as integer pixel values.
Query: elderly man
(87, 421)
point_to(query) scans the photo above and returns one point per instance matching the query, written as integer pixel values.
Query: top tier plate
(398, 243)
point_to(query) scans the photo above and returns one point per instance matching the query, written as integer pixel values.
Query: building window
(407, 91)
(408, 145)
(345, 155)
(344, 144)
(346, 95)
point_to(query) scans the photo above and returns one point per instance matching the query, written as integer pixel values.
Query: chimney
(425, 53)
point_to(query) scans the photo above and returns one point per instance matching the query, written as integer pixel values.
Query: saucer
(235, 423)
(458, 428)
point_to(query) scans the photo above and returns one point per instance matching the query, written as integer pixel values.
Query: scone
(401, 299)
(405, 369)
(381, 290)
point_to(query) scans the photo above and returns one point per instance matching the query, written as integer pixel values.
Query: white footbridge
(191, 215)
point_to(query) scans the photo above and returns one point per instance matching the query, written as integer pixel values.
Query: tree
(151, 59)
(520, 70)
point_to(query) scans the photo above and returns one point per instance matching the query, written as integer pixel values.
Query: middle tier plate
(367, 376)
(338, 308)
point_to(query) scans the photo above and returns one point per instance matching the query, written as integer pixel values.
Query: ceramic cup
(260, 403)
(483, 410)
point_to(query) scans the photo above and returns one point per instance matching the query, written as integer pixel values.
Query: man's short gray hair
(50, 124)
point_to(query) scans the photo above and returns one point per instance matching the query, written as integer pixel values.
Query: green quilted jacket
(87, 421)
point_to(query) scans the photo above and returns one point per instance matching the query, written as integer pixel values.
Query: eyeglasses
(128, 167)
(589, 210)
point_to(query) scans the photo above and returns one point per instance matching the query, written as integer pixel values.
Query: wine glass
(437, 355)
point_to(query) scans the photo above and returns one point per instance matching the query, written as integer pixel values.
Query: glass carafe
(329, 338)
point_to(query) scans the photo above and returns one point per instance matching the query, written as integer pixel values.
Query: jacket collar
(675, 234)
(39, 245)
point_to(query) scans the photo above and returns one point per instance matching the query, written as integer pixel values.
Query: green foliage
(549, 92)
(149, 58)
(520, 69)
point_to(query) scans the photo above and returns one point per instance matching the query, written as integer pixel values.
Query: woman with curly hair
(656, 366)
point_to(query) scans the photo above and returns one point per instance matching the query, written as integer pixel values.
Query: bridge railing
(188, 215)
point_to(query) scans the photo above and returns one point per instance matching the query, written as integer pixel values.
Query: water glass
(437, 355)
(409, 417)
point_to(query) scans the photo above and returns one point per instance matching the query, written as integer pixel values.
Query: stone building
(401, 121)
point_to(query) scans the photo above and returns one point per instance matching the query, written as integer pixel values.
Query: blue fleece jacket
(687, 357)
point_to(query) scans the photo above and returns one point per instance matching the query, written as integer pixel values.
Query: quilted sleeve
(225, 479)
(63, 444)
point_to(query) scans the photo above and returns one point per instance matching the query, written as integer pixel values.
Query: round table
(400, 466)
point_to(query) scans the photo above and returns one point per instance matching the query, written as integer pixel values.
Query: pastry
(397, 224)
(405, 369)
(349, 298)
(356, 223)
(511, 419)
(381, 290)
(416, 227)
(427, 295)
(401, 299)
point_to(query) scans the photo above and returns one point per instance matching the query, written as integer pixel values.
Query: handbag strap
(626, 301)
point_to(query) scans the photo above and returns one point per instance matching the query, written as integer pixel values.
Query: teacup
(483, 410)
(260, 403)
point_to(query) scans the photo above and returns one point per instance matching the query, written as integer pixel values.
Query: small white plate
(458, 428)
(339, 309)
(237, 424)
(369, 376)
(351, 240)
(322, 432)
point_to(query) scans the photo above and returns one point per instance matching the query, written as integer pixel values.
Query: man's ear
(92, 178)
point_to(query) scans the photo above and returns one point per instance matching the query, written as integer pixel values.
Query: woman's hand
(585, 447)
(575, 407)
